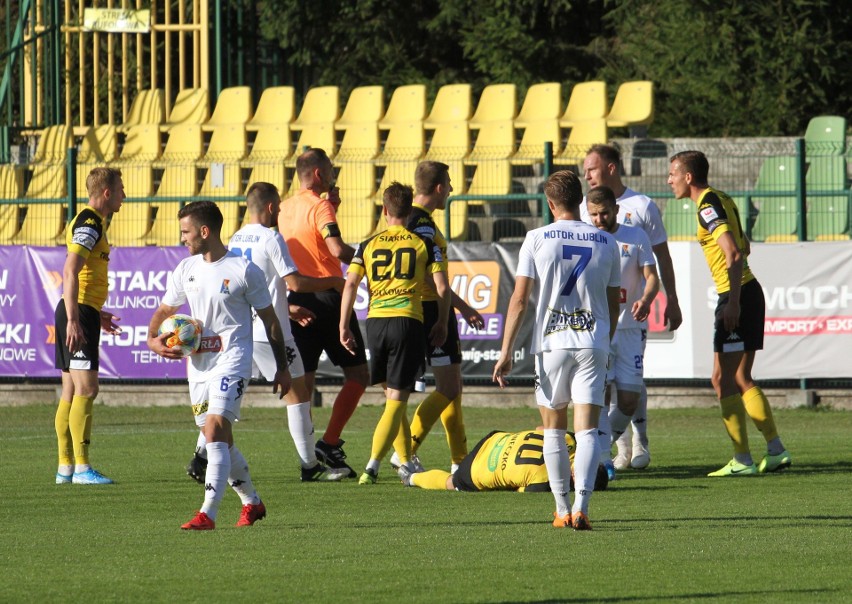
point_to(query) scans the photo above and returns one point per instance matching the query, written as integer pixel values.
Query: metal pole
(547, 218)
(801, 189)
(218, 51)
(71, 179)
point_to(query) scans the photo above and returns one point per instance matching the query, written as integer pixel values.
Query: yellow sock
(80, 424)
(435, 480)
(402, 442)
(734, 416)
(63, 434)
(425, 416)
(387, 429)
(757, 407)
(453, 422)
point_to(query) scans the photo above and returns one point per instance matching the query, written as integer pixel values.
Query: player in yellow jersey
(79, 320)
(502, 461)
(740, 315)
(396, 263)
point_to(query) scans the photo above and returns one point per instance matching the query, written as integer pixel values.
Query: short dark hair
(310, 160)
(563, 189)
(608, 153)
(397, 198)
(260, 194)
(694, 162)
(601, 196)
(428, 175)
(204, 213)
(100, 179)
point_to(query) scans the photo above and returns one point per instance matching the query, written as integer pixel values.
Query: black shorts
(462, 479)
(749, 335)
(450, 352)
(86, 359)
(396, 351)
(324, 332)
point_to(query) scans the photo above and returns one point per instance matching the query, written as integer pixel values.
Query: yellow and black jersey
(421, 222)
(86, 237)
(514, 461)
(718, 214)
(396, 262)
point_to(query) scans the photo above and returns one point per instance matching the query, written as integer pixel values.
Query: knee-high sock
(344, 406)
(435, 480)
(734, 417)
(63, 434)
(301, 428)
(558, 464)
(758, 409)
(201, 445)
(240, 479)
(453, 421)
(80, 425)
(387, 429)
(640, 419)
(605, 436)
(618, 421)
(402, 443)
(425, 416)
(216, 478)
(585, 469)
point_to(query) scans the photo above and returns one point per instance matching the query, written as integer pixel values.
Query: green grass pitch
(664, 534)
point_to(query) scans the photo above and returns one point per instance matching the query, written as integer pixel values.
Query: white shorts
(627, 354)
(219, 396)
(263, 361)
(571, 375)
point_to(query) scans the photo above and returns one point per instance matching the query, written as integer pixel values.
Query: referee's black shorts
(396, 351)
(87, 359)
(324, 332)
(749, 335)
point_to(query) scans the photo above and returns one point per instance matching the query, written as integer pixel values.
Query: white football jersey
(266, 248)
(635, 253)
(221, 295)
(572, 263)
(636, 210)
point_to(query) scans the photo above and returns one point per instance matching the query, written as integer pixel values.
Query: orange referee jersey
(305, 220)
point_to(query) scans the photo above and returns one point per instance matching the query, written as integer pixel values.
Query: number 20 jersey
(573, 263)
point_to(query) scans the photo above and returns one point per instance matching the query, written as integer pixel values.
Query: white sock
(82, 467)
(558, 465)
(216, 478)
(640, 419)
(240, 479)
(605, 436)
(585, 468)
(65, 470)
(618, 421)
(201, 445)
(302, 430)
(374, 465)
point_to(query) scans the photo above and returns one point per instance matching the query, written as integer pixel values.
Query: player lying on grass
(502, 461)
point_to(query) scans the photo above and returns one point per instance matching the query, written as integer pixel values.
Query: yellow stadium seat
(277, 106)
(452, 104)
(273, 173)
(271, 145)
(498, 103)
(320, 136)
(587, 102)
(583, 135)
(401, 171)
(133, 221)
(148, 107)
(141, 145)
(12, 188)
(407, 105)
(185, 145)
(232, 107)
(495, 140)
(130, 225)
(458, 220)
(405, 141)
(360, 143)
(321, 106)
(450, 141)
(53, 145)
(490, 178)
(633, 105)
(178, 182)
(365, 104)
(227, 145)
(99, 146)
(191, 106)
(356, 214)
(44, 222)
(165, 230)
(543, 102)
(531, 149)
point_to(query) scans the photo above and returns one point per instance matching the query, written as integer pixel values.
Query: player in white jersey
(221, 289)
(601, 168)
(578, 276)
(639, 287)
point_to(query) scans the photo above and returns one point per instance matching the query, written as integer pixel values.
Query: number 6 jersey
(573, 263)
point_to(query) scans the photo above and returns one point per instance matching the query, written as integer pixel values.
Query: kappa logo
(625, 251)
(91, 221)
(224, 289)
(733, 337)
(438, 351)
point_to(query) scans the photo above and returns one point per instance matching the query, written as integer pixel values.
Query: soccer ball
(186, 333)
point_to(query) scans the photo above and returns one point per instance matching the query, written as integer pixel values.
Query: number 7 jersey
(573, 263)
